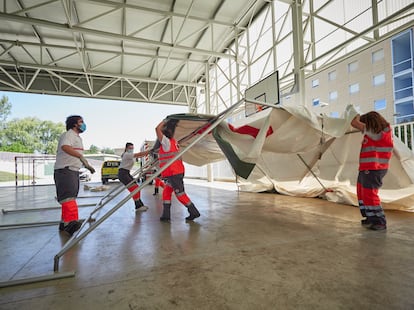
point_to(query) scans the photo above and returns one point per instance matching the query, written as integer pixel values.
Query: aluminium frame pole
(78, 237)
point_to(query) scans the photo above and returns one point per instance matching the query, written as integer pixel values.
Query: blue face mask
(130, 150)
(82, 127)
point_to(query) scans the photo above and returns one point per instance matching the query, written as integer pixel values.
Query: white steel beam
(105, 34)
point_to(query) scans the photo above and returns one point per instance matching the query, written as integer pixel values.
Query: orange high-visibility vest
(177, 167)
(376, 154)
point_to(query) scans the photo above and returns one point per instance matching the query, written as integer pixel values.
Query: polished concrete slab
(246, 251)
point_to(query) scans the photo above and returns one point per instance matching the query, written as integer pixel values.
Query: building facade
(378, 78)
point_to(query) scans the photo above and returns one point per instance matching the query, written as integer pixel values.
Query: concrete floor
(246, 251)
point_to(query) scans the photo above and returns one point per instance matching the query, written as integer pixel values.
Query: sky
(109, 123)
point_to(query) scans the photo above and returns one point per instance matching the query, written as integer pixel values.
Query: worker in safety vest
(69, 159)
(124, 174)
(174, 174)
(376, 151)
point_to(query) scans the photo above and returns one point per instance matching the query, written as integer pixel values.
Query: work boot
(366, 223)
(193, 212)
(155, 191)
(378, 226)
(378, 223)
(139, 206)
(166, 213)
(71, 227)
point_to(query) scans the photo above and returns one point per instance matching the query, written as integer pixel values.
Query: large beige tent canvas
(292, 151)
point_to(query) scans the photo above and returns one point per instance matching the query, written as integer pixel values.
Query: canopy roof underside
(148, 50)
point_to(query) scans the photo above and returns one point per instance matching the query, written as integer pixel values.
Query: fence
(32, 168)
(405, 133)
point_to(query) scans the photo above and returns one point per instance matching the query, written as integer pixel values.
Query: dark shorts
(67, 183)
(176, 182)
(371, 178)
(124, 176)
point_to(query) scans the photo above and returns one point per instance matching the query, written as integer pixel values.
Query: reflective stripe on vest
(375, 155)
(177, 166)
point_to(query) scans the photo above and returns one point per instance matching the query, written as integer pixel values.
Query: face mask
(82, 127)
(130, 151)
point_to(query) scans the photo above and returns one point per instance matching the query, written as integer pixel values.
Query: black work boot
(155, 191)
(193, 212)
(166, 213)
(72, 227)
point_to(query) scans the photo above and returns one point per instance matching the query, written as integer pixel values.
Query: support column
(210, 177)
(374, 6)
(274, 50)
(298, 53)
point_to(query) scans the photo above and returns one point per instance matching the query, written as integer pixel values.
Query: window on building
(402, 52)
(403, 76)
(403, 85)
(334, 114)
(380, 104)
(354, 88)
(315, 83)
(315, 102)
(378, 79)
(377, 55)
(333, 95)
(332, 75)
(353, 66)
(404, 111)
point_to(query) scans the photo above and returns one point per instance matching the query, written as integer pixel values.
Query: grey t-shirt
(127, 161)
(63, 159)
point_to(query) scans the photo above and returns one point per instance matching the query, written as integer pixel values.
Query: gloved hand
(86, 164)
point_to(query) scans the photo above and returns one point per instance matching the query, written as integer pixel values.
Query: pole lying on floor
(5, 211)
(79, 235)
(37, 279)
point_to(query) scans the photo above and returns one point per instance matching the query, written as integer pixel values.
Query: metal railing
(30, 167)
(404, 132)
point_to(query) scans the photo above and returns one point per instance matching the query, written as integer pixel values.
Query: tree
(107, 150)
(5, 109)
(48, 135)
(30, 135)
(92, 150)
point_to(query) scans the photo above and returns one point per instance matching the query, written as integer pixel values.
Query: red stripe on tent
(249, 130)
(204, 128)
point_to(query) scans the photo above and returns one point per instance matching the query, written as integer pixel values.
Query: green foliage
(107, 150)
(15, 147)
(8, 176)
(30, 135)
(93, 150)
(5, 109)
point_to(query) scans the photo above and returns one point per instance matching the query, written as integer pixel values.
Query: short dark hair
(71, 121)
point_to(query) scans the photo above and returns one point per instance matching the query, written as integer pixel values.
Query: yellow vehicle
(109, 170)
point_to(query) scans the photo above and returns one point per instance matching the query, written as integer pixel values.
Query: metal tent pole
(6, 211)
(77, 237)
(36, 279)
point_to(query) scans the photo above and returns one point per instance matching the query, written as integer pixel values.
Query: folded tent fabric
(264, 152)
